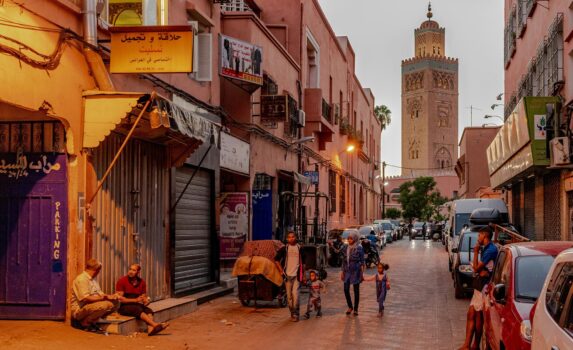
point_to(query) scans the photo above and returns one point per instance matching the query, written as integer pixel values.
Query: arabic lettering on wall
(22, 167)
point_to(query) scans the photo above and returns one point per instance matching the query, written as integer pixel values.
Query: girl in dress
(382, 286)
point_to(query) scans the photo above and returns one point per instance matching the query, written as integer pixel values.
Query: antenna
(472, 108)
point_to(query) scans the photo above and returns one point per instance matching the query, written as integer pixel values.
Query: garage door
(193, 244)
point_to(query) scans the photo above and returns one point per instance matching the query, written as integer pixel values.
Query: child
(382, 286)
(314, 289)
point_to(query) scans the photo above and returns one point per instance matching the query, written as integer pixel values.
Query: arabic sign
(274, 107)
(21, 165)
(234, 223)
(241, 60)
(157, 49)
(234, 154)
(262, 214)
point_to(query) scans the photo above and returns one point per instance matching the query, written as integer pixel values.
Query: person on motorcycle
(372, 257)
(373, 239)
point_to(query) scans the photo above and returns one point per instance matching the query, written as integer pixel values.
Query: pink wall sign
(233, 223)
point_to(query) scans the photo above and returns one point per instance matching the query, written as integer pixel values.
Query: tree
(384, 115)
(393, 213)
(419, 199)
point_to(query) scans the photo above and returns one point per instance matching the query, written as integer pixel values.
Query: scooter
(371, 255)
(336, 255)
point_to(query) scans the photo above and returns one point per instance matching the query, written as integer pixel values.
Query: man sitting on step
(132, 290)
(88, 302)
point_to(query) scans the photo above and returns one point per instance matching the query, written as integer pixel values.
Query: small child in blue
(382, 286)
(315, 287)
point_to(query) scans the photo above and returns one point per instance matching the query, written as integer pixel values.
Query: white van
(460, 213)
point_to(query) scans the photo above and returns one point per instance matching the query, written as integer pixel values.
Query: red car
(517, 281)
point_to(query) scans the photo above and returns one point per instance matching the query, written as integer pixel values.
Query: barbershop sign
(152, 49)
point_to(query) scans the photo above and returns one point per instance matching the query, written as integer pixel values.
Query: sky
(382, 35)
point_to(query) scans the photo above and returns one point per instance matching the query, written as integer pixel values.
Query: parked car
(388, 230)
(460, 213)
(520, 271)
(553, 313)
(462, 271)
(397, 229)
(347, 231)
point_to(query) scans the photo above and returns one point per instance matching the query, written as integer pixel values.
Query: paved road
(421, 313)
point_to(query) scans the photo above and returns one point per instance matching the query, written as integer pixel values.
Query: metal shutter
(552, 207)
(193, 267)
(529, 208)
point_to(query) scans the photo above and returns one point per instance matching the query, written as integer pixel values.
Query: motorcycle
(371, 255)
(336, 255)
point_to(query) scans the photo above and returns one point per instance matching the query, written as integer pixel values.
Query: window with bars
(262, 182)
(554, 53)
(291, 124)
(332, 190)
(510, 106)
(509, 37)
(342, 195)
(521, 16)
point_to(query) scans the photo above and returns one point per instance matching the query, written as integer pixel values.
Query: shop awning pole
(116, 157)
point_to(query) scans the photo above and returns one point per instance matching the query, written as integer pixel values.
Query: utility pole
(471, 108)
(383, 190)
(316, 201)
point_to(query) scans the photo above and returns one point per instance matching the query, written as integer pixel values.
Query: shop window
(135, 12)
(262, 182)
(332, 190)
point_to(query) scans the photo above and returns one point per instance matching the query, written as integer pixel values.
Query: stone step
(164, 310)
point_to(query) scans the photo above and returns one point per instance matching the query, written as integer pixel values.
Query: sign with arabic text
(16, 166)
(234, 223)
(234, 154)
(241, 60)
(152, 49)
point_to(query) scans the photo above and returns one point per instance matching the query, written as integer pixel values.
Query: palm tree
(383, 114)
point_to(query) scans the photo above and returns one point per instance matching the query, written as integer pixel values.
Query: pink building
(530, 156)
(472, 167)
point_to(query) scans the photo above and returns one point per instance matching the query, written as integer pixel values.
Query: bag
(479, 282)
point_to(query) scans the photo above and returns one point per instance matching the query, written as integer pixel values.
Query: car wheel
(458, 290)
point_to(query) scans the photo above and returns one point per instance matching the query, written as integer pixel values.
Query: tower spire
(430, 14)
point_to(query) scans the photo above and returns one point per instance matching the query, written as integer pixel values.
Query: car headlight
(526, 330)
(465, 268)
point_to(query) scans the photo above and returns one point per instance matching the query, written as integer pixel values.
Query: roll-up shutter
(193, 244)
(529, 208)
(552, 207)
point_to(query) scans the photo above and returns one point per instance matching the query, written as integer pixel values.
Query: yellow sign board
(156, 49)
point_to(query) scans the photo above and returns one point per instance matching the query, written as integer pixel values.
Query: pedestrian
(315, 287)
(382, 285)
(289, 262)
(132, 292)
(88, 302)
(352, 271)
(483, 270)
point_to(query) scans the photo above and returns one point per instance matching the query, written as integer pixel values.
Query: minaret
(429, 104)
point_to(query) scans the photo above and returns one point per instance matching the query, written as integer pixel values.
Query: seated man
(88, 302)
(132, 295)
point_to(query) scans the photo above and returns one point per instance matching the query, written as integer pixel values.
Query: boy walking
(315, 287)
(289, 262)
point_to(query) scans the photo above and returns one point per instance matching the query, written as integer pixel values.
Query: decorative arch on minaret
(443, 158)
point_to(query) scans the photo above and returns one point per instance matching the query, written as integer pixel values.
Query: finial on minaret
(430, 15)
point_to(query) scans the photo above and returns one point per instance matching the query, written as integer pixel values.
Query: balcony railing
(326, 111)
(235, 6)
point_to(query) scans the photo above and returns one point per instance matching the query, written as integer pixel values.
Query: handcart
(259, 279)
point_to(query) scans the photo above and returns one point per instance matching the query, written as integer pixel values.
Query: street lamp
(495, 105)
(384, 184)
(349, 149)
(488, 116)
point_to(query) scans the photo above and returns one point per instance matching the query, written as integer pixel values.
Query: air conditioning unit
(301, 118)
(560, 151)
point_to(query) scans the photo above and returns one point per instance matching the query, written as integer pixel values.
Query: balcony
(318, 116)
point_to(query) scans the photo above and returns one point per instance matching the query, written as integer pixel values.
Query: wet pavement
(421, 313)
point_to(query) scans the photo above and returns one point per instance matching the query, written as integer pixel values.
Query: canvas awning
(164, 122)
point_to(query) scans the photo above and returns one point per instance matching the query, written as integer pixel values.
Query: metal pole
(300, 188)
(383, 190)
(316, 201)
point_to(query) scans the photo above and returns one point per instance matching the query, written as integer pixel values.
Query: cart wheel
(245, 302)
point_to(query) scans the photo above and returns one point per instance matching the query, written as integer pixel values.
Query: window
(354, 203)
(530, 275)
(291, 124)
(262, 182)
(342, 185)
(135, 12)
(558, 290)
(332, 190)
(270, 87)
(499, 267)
(509, 37)
(312, 61)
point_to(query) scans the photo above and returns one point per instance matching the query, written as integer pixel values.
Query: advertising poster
(241, 60)
(234, 223)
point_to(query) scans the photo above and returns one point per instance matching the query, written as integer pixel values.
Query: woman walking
(352, 271)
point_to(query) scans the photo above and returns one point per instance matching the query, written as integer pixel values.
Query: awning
(294, 176)
(302, 179)
(164, 122)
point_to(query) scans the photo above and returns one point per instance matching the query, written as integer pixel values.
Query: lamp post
(384, 190)
(348, 149)
(488, 116)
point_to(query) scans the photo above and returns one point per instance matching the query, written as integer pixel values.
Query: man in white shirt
(289, 262)
(88, 302)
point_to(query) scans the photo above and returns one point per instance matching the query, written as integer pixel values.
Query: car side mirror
(499, 293)
(454, 250)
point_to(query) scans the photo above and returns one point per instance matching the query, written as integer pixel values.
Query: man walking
(289, 262)
(88, 302)
(482, 274)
